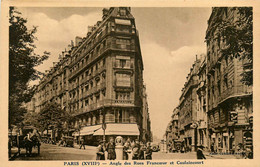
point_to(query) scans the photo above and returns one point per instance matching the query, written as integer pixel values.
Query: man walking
(200, 154)
(82, 143)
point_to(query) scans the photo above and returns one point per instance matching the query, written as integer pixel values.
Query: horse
(29, 143)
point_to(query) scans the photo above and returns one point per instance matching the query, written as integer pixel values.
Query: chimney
(90, 28)
(105, 13)
(98, 23)
(78, 40)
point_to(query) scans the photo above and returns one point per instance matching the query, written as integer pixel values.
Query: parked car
(67, 141)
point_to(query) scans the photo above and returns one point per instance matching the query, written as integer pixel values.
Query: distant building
(202, 120)
(146, 135)
(229, 100)
(188, 108)
(172, 131)
(99, 79)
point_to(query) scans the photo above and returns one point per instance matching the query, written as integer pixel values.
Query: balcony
(111, 45)
(108, 102)
(235, 91)
(94, 89)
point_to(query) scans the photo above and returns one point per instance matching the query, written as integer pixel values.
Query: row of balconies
(104, 103)
(234, 91)
(111, 45)
(89, 77)
(89, 92)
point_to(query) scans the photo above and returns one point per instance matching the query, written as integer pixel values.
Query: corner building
(101, 80)
(230, 109)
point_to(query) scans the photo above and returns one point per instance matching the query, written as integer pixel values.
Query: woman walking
(101, 151)
(111, 150)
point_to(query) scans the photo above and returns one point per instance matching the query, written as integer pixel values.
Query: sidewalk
(220, 156)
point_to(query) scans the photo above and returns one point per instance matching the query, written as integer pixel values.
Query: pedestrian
(136, 149)
(250, 153)
(148, 151)
(126, 149)
(200, 154)
(82, 143)
(212, 147)
(141, 151)
(111, 149)
(100, 151)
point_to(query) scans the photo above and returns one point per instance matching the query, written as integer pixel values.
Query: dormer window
(122, 12)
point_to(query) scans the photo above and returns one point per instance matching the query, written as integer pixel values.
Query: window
(123, 95)
(122, 12)
(98, 81)
(122, 116)
(87, 87)
(122, 28)
(86, 102)
(87, 58)
(97, 97)
(104, 62)
(122, 63)
(87, 73)
(123, 80)
(122, 43)
(98, 49)
(104, 44)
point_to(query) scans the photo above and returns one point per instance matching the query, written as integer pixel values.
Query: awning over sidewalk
(87, 130)
(120, 129)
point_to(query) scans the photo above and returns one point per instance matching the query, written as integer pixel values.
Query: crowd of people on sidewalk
(132, 150)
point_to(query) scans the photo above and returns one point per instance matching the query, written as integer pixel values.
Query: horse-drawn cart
(28, 139)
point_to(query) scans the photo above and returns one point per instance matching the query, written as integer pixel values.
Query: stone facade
(188, 108)
(216, 108)
(229, 100)
(99, 78)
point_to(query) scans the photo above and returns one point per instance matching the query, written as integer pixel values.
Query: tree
(238, 34)
(31, 118)
(22, 63)
(52, 117)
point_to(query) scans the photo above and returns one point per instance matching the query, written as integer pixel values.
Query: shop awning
(119, 129)
(87, 130)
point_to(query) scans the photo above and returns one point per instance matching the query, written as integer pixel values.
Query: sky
(170, 39)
